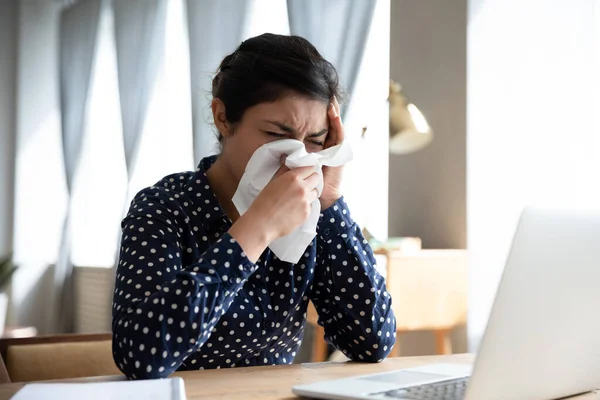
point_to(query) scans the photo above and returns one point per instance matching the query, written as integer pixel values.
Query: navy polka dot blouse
(186, 296)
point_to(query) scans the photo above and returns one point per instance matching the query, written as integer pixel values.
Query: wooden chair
(429, 291)
(57, 357)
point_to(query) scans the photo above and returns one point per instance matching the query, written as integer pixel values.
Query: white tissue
(261, 168)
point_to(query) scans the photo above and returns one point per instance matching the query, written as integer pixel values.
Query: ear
(220, 117)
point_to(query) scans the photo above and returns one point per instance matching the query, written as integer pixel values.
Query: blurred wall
(8, 68)
(428, 58)
(427, 195)
(534, 124)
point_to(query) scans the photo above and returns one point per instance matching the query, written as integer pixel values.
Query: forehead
(296, 111)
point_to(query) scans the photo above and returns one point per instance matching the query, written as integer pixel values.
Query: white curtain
(9, 12)
(338, 29)
(215, 29)
(78, 37)
(139, 37)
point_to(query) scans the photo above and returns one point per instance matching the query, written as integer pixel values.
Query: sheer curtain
(163, 134)
(166, 143)
(101, 185)
(163, 146)
(215, 29)
(78, 35)
(40, 187)
(339, 30)
(140, 39)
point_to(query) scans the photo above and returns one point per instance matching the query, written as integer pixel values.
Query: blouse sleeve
(349, 294)
(164, 310)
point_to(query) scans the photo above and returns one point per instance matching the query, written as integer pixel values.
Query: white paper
(156, 389)
(261, 168)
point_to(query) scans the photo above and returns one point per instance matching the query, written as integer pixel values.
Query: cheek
(241, 148)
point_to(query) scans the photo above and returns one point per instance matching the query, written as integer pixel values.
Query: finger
(336, 128)
(282, 169)
(303, 172)
(339, 126)
(313, 195)
(312, 181)
(336, 105)
(332, 134)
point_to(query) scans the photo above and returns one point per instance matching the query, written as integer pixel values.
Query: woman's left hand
(332, 176)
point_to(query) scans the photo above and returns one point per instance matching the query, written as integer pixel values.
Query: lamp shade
(409, 130)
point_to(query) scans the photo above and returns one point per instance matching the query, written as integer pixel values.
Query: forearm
(153, 335)
(349, 293)
(252, 235)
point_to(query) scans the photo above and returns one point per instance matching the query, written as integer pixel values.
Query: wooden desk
(275, 382)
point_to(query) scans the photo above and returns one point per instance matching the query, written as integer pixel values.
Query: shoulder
(166, 198)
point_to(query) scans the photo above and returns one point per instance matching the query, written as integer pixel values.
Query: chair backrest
(58, 357)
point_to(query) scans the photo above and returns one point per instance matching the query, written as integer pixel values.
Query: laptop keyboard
(447, 390)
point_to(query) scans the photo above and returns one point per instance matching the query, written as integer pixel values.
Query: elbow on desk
(138, 366)
(374, 352)
(381, 343)
(136, 371)
(383, 350)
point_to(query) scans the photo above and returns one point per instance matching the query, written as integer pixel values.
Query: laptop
(542, 340)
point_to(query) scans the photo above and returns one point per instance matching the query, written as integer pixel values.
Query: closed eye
(283, 136)
(316, 142)
(277, 135)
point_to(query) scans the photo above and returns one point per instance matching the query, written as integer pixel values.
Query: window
(100, 200)
(166, 145)
(101, 191)
(100, 182)
(267, 16)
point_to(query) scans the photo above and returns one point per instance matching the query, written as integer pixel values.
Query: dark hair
(265, 67)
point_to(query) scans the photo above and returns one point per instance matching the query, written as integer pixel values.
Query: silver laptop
(542, 339)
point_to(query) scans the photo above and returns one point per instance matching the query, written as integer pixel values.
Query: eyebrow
(291, 130)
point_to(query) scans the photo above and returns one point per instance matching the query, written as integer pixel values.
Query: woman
(197, 286)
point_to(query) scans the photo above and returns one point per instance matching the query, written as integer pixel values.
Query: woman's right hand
(282, 206)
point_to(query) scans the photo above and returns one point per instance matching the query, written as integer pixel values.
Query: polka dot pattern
(187, 297)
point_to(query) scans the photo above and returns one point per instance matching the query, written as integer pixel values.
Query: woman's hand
(282, 206)
(332, 176)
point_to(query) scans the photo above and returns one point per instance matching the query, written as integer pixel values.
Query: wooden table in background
(429, 293)
(275, 382)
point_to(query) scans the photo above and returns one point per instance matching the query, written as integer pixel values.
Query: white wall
(533, 132)
(8, 63)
